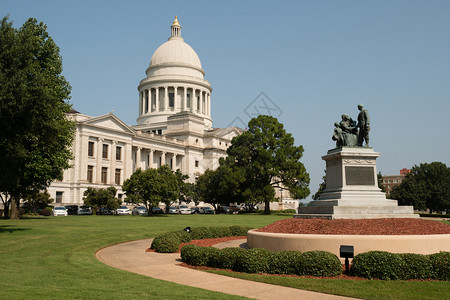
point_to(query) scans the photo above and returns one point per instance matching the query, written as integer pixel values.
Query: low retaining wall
(421, 244)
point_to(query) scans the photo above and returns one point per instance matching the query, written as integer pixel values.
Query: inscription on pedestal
(359, 175)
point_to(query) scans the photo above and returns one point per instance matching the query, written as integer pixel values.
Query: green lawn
(54, 258)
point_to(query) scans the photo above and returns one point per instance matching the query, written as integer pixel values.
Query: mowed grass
(53, 257)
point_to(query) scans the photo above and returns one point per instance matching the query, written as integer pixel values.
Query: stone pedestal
(352, 189)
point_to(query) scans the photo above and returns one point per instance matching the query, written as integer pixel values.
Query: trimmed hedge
(441, 265)
(169, 242)
(402, 266)
(257, 260)
(320, 263)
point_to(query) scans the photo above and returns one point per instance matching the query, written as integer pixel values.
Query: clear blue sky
(314, 59)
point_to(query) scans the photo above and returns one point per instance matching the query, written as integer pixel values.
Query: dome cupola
(174, 83)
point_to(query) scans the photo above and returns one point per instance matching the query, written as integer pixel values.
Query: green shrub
(377, 265)
(46, 212)
(415, 266)
(237, 230)
(185, 237)
(197, 256)
(253, 261)
(285, 262)
(441, 265)
(319, 263)
(166, 243)
(226, 258)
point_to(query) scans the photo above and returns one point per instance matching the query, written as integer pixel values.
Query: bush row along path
(166, 267)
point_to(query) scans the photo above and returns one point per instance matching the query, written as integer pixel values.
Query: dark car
(224, 210)
(157, 210)
(195, 210)
(72, 209)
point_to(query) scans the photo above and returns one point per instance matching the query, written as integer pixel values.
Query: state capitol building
(174, 127)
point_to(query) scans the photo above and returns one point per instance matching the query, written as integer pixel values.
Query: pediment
(109, 122)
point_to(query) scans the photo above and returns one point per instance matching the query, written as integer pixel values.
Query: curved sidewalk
(131, 256)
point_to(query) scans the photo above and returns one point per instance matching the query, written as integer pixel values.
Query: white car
(184, 210)
(84, 210)
(60, 211)
(174, 210)
(123, 210)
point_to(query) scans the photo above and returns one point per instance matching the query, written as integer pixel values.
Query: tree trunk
(15, 208)
(267, 207)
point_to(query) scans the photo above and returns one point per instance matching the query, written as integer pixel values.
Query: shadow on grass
(11, 228)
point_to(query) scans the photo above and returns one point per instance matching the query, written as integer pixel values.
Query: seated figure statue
(345, 132)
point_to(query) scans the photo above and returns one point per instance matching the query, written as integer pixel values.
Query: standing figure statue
(363, 125)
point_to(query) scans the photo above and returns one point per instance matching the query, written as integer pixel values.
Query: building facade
(390, 181)
(174, 127)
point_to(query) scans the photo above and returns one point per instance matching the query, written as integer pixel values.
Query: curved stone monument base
(420, 244)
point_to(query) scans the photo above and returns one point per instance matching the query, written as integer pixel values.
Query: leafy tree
(152, 186)
(427, 186)
(264, 157)
(100, 199)
(380, 182)
(37, 200)
(322, 188)
(35, 135)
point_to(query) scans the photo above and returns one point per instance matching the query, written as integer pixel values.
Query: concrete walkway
(131, 256)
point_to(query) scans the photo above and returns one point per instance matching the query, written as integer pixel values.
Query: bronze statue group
(351, 134)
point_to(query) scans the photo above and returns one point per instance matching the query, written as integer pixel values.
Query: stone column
(184, 102)
(98, 175)
(157, 99)
(174, 162)
(138, 158)
(175, 89)
(140, 103)
(166, 98)
(201, 103)
(163, 158)
(194, 101)
(150, 160)
(208, 110)
(112, 163)
(81, 174)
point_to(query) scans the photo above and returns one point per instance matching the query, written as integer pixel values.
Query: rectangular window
(105, 151)
(171, 99)
(91, 149)
(59, 196)
(104, 175)
(118, 153)
(196, 163)
(90, 174)
(188, 104)
(120, 196)
(117, 177)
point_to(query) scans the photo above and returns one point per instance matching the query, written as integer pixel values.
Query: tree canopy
(427, 186)
(35, 135)
(152, 186)
(101, 199)
(259, 160)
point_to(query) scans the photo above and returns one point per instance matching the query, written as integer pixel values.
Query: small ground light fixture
(346, 252)
(187, 229)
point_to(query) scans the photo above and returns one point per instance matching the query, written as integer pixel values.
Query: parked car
(123, 210)
(139, 210)
(156, 210)
(72, 209)
(195, 210)
(105, 211)
(84, 210)
(235, 208)
(60, 211)
(173, 210)
(206, 210)
(184, 210)
(224, 210)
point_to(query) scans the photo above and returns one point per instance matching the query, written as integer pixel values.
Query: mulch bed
(401, 226)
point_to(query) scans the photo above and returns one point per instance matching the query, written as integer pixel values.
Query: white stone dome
(175, 52)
